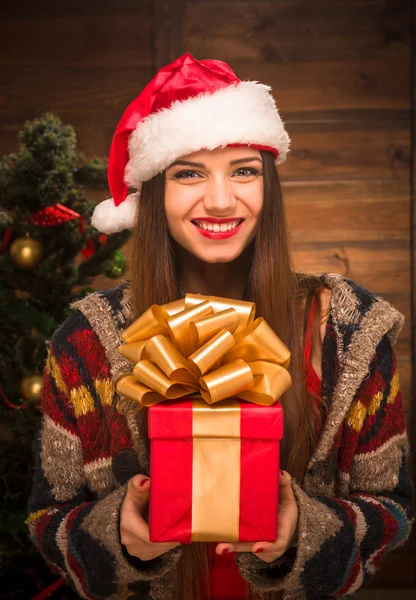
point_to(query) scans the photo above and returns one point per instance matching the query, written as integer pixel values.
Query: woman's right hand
(134, 530)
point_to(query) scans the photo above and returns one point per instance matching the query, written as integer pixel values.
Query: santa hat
(188, 106)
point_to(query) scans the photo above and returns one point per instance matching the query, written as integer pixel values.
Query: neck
(219, 279)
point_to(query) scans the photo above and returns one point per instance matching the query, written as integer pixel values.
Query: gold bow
(206, 345)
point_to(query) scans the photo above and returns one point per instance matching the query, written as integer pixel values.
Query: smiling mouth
(218, 227)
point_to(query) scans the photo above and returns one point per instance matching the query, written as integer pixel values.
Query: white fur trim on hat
(244, 113)
(109, 218)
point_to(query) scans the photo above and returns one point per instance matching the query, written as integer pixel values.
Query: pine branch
(92, 174)
(94, 265)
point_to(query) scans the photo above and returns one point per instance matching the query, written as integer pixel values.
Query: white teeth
(216, 226)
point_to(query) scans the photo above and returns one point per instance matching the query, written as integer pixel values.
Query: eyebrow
(188, 163)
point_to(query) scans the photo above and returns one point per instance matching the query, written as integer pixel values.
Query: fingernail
(225, 551)
(258, 550)
(143, 482)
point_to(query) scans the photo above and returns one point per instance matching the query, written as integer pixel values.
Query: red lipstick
(218, 235)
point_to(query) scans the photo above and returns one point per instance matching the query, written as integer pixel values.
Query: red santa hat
(188, 106)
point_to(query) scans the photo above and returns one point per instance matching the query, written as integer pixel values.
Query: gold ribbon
(203, 345)
(216, 471)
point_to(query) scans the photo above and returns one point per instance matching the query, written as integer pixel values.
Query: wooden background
(341, 76)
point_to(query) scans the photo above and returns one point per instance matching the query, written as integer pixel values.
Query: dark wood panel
(92, 39)
(93, 93)
(380, 154)
(343, 211)
(364, 119)
(167, 31)
(288, 31)
(70, 8)
(382, 267)
(329, 85)
(367, 121)
(90, 99)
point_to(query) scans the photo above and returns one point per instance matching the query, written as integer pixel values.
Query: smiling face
(213, 201)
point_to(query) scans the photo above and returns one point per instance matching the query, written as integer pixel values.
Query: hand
(287, 529)
(134, 531)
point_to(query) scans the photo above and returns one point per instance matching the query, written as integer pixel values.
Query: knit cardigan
(355, 500)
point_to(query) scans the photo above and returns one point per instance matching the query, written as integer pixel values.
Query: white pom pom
(109, 218)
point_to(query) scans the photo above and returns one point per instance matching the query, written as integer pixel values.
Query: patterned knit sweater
(355, 500)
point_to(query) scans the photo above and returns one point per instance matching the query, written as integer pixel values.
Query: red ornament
(11, 404)
(89, 249)
(54, 215)
(6, 240)
(57, 214)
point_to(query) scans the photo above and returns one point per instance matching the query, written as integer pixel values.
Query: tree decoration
(26, 253)
(49, 255)
(118, 266)
(31, 387)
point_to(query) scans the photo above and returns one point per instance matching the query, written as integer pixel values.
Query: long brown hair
(279, 294)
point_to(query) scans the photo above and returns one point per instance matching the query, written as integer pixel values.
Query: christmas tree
(49, 254)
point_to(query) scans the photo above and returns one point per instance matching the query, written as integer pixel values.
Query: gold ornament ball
(26, 253)
(31, 388)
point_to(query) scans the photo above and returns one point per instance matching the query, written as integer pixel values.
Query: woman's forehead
(226, 154)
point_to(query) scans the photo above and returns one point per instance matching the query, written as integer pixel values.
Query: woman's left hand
(287, 528)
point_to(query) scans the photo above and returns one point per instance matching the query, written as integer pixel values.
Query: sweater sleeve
(342, 540)
(75, 529)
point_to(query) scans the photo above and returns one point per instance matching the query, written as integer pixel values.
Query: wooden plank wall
(82, 59)
(340, 73)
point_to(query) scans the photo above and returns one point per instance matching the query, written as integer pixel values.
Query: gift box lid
(173, 419)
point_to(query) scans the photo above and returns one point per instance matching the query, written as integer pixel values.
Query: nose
(219, 198)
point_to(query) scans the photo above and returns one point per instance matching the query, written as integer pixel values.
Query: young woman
(201, 149)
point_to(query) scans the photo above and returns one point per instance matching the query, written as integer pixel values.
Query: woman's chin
(209, 253)
(218, 257)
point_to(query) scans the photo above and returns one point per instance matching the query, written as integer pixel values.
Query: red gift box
(214, 471)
